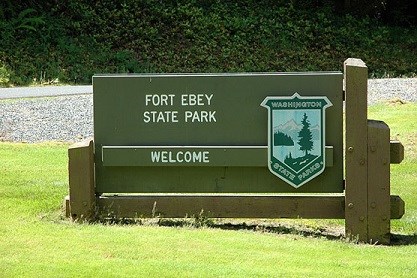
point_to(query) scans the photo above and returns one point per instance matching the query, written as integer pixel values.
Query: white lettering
(155, 156)
(283, 171)
(197, 156)
(211, 115)
(187, 157)
(309, 171)
(200, 116)
(146, 117)
(159, 100)
(160, 116)
(193, 100)
(209, 97)
(147, 99)
(188, 115)
(170, 116)
(206, 157)
(196, 99)
(164, 156)
(180, 157)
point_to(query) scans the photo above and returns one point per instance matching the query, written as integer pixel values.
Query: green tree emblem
(282, 139)
(305, 135)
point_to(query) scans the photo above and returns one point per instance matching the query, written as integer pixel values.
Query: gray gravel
(380, 90)
(48, 91)
(69, 118)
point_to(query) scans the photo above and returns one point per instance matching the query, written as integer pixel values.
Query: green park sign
(207, 133)
(177, 145)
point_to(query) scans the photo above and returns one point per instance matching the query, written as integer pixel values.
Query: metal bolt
(350, 149)
(361, 218)
(350, 205)
(362, 162)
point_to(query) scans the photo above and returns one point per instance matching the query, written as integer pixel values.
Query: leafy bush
(72, 40)
(4, 76)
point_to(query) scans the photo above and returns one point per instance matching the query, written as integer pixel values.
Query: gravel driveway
(60, 115)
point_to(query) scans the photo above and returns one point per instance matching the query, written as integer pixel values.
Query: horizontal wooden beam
(233, 156)
(397, 207)
(231, 206)
(396, 152)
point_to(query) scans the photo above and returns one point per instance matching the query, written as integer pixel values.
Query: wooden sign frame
(366, 204)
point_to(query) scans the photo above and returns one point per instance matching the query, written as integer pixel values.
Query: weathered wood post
(356, 78)
(81, 181)
(379, 207)
(367, 193)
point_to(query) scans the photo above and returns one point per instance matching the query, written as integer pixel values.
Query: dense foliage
(69, 41)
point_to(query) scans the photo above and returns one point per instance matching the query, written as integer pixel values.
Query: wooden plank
(231, 206)
(397, 207)
(396, 152)
(67, 208)
(223, 206)
(81, 180)
(379, 208)
(209, 156)
(356, 78)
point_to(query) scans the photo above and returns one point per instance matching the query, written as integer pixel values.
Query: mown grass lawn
(37, 241)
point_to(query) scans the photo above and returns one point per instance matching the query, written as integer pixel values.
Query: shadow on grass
(397, 239)
(202, 221)
(282, 229)
(274, 228)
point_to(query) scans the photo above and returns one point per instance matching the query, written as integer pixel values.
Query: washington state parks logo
(296, 137)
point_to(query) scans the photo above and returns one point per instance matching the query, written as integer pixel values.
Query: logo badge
(296, 137)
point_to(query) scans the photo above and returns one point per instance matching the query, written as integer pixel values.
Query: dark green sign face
(204, 133)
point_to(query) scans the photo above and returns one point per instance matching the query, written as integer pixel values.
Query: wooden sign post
(367, 165)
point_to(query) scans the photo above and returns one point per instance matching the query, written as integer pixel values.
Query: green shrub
(72, 40)
(4, 76)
